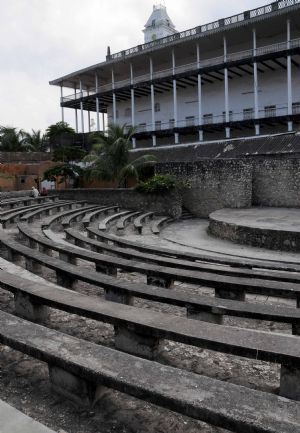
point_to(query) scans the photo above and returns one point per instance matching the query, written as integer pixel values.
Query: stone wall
(14, 194)
(215, 184)
(169, 204)
(276, 182)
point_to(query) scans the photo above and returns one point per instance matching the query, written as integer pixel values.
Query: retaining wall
(166, 204)
(215, 184)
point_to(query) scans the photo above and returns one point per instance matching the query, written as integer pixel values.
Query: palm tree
(13, 140)
(36, 141)
(110, 156)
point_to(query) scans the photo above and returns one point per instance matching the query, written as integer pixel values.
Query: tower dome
(159, 25)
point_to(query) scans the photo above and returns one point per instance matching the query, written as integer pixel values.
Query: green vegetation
(109, 158)
(13, 140)
(67, 173)
(68, 153)
(55, 131)
(161, 183)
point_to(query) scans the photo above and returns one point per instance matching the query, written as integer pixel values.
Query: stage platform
(271, 228)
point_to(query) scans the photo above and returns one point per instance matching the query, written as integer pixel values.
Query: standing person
(35, 192)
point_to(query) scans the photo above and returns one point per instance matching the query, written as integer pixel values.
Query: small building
(235, 77)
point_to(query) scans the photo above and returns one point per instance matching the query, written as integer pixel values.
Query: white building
(237, 76)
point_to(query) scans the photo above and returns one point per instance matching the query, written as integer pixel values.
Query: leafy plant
(161, 183)
(63, 173)
(110, 156)
(68, 153)
(13, 140)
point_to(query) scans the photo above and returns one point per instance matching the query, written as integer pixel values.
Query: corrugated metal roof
(282, 144)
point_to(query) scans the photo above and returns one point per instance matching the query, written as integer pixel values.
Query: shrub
(161, 183)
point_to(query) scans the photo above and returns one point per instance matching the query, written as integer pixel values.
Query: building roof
(277, 145)
(236, 22)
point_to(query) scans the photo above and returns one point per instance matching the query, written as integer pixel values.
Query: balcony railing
(190, 67)
(219, 118)
(254, 13)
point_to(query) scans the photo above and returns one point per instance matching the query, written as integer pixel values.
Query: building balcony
(267, 115)
(242, 57)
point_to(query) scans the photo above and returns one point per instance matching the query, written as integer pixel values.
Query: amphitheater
(126, 320)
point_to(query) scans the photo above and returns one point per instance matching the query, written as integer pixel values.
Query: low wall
(166, 204)
(276, 182)
(215, 184)
(14, 194)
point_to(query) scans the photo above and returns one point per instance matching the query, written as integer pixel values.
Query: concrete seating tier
(166, 252)
(79, 239)
(58, 218)
(140, 220)
(12, 203)
(105, 223)
(198, 307)
(46, 210)
(226, 286)
(159, 224)
(77, 216)
(14, 421)
(92, 216)
(140, 331)
(86, 367)
(13, 215)
(124, 220)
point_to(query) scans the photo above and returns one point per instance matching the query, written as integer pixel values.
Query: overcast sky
(41, 40)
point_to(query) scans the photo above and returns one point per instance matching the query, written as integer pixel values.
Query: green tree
(55, 132)
(110, 156)
(68, 153)
(36, 141)
(13, 140)
(68, 173)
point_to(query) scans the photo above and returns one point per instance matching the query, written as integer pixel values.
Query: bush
(161, 183)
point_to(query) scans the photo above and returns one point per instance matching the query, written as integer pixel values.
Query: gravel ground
(24, 381)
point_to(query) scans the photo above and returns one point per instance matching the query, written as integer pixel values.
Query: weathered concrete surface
(222, 404)
(14, 421)
(273, 228)
(163, 204)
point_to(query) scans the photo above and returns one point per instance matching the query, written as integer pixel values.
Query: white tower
(159, 25)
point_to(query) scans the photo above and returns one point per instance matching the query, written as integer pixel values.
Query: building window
(207, 118)
(117, 114)
(153, 23)
(142, 127)
(157, 107)
(127, 112)
(296, 107)
(230, 116)
(248, 113)
(270, 111)
(158, 125)
(190, 120)
(171, 123)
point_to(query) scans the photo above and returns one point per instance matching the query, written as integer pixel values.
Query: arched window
(157, 107)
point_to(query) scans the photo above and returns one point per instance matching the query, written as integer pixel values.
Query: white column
(255, 84)
(89, 116)
(289, 77)
(61, 100)
(81, 108)
(200, 121)
(132, 104)
(114, 97)
(103, 122)
(152, 104)
(175, 98)
(226, 89)
(97, 101)
(76, 114)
